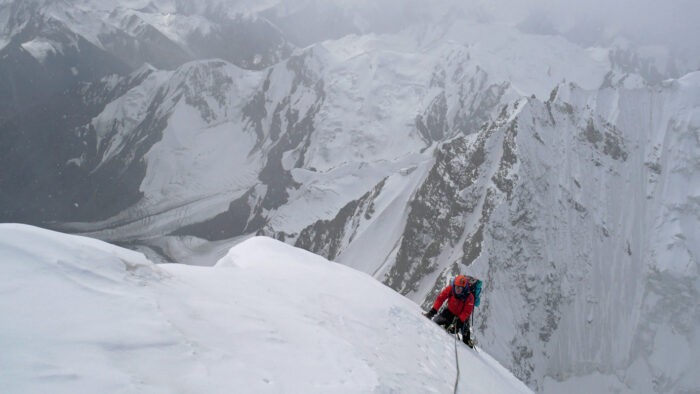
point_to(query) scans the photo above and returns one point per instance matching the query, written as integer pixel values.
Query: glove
(430, 313)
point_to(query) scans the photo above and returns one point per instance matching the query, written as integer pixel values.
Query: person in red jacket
(460, 304)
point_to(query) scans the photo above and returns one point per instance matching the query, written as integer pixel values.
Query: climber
(460, 303)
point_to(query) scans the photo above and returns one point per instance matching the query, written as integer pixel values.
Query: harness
(463, 296)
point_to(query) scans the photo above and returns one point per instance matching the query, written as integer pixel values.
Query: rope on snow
(456, 362)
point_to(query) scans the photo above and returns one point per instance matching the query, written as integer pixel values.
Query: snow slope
(80, 315)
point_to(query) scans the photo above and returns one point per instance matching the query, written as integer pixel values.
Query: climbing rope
(456, 361)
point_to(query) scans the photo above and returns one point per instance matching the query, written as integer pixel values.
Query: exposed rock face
(437, 214)
(45, 58)
(527, 204)
(61, 162)
(284, 136)
(465, 100)
(291, 129)
(542, 239)
(328, 237)
(51, 46)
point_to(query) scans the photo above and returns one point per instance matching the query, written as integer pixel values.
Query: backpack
(475, 288)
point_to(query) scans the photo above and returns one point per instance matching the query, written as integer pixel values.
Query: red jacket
(461, 307)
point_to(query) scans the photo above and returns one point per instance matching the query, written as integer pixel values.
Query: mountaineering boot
(469, 343)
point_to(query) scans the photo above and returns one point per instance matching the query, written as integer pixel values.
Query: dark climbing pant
(446, 317)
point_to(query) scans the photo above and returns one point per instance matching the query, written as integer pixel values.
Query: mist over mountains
(555, 157)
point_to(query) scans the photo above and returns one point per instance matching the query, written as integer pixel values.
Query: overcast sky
(671, 23)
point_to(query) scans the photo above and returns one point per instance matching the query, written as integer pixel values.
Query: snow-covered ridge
(80, 315)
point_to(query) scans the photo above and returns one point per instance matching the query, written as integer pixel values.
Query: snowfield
(81, 315)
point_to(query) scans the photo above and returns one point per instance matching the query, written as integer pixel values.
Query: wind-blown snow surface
(81, 315)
